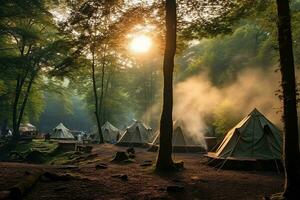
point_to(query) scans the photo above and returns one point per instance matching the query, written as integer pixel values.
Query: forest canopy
(47, 48)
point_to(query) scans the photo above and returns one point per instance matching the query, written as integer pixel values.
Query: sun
(140, 44)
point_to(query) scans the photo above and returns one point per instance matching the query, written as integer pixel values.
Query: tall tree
(92, 20)
(31, 43)
(164, 159)
(291, 139)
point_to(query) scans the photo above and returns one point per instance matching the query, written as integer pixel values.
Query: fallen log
(17, 191)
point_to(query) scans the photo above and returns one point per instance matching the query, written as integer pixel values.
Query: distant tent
(61, 132)
(255, 138)
(137, 134)
(111, 134)
(182, 140)
(6, 132)
(27, 128)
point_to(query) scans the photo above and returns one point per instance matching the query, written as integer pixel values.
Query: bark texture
(164, 159)
(291, 140)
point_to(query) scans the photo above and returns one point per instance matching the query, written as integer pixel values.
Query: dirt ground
(199, 180)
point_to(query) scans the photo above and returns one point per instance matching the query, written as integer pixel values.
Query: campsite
(149, 100)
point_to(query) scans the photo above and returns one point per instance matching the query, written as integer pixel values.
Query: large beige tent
(182, 139)
(111, 134)
(137, 134)
(255, 138)
(61, 132)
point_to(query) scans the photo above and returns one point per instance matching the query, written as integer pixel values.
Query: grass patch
(36, 151)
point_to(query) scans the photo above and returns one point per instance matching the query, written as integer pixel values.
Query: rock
(120, 156)
(196, 178)
(123, 177)
(146, 164)
(132, 156)
(175, 188)
(130, 150)
(101, 166)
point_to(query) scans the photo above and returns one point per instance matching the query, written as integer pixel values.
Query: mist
(196, 100)
(202, 105)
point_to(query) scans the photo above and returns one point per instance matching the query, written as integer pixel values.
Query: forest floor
(198, 180)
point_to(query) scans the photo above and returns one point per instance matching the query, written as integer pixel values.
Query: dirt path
(199, 180)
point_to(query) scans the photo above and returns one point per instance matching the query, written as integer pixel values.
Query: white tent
(61, 132)
(110, 133)
(137, 134)
(182, 139)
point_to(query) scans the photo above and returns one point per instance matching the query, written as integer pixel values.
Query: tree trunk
(291, 140)
(164, 159)
(102, 88)
(22, 109)
(96, 98)
(105, 116)
(16, 133)
(18, 91)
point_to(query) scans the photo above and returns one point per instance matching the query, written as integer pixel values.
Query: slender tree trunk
(23, 106)
(291, 140)
(164, 159)
(102, 88)
(18, 91)
(106, 95)
(16, 133)
(96, 98)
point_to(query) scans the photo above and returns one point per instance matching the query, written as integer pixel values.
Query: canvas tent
(182, 139)
(254, 138)
(61, 132)
(137, 134)
(27, 129)
(111, 134)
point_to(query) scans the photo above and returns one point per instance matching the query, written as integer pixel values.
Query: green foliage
(30, 46)
(224, 119)
(229, 36)
(224, 56)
